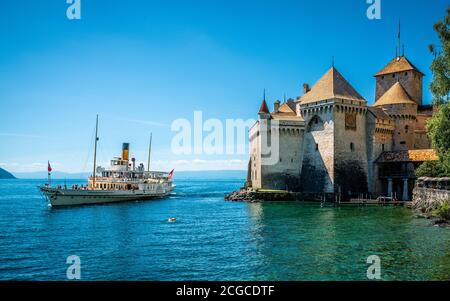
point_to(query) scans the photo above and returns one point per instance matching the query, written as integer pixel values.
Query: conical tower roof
(331, 85)
(263, 108)
(398, 64)
(395, 95)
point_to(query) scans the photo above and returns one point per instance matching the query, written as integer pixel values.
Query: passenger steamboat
(122, 181)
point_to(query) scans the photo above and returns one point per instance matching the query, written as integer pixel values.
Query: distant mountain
(182, 175)
(55, 175)
(5, 175)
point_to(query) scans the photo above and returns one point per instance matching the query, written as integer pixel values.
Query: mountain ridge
(4, 174)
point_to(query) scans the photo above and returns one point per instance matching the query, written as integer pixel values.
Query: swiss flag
(49, 168)
(170, 174)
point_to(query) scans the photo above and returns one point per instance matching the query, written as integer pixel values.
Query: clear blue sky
(142, 64)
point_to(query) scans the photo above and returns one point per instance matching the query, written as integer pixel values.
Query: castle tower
(403, 110)
(335, 137)
(401, 70)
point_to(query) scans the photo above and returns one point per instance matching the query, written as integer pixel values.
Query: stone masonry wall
(379, 139)
(285, 174)
(350, 150)
(427, 199)
(404, 116)
(255, 151)
(318, 152)
(430, 193)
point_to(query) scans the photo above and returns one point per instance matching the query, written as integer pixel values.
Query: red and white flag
(49, 168)
(170, 174)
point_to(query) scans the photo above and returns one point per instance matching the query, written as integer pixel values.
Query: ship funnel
(125, 151)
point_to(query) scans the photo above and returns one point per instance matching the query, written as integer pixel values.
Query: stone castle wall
(379, 139)
(255, 160)
(404, 116)
(421, 139)
(285, 173)
(350, 152)
(318, 151)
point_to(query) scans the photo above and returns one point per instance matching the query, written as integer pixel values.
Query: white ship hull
(71, 197)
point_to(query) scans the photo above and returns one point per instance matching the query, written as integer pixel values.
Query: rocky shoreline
(251, 196)
(245, 195)
(436, 221)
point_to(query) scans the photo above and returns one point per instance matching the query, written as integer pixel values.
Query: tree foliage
(439, 125)
(440, 86)
(429, 169)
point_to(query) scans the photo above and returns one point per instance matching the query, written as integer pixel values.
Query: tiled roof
(287, 107)
(395, 95)
(398, 64)
(415, 155)
(287, 112)
(379, 113)
(331, 85)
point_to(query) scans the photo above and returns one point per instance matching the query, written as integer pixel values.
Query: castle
(331, 142)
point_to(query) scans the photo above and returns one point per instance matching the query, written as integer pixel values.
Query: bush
(443, 211)
(429, 169)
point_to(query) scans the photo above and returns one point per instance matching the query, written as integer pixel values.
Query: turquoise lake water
(213, 239)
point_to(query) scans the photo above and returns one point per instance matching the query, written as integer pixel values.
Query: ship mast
(95, 152)
(149, 152)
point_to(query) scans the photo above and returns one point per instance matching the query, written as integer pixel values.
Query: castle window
(393, 75)
(402, 142)
(317, 146)
(406, 129)
(352, 146)
(382, 77)
(406, 73)
(280, 159)
(382, 147)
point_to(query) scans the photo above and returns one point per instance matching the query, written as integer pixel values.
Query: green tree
(429, 169)
(440, 85)
(439, 125)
